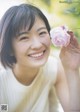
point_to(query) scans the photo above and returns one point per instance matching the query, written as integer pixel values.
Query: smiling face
(31, 48)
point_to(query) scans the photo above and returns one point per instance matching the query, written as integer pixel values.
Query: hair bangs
(22, 21)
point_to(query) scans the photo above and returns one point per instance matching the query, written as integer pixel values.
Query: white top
(39, 96)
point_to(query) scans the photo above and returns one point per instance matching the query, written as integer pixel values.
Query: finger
(73, 46)
(73, 39)
(70, 49)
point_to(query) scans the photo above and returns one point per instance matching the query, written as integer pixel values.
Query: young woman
(31, 80)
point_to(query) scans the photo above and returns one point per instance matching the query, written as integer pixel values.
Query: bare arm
(74, 90)
(62, 89)
(68, 90)
(68, 76)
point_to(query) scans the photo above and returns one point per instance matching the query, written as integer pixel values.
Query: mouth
(37, 55)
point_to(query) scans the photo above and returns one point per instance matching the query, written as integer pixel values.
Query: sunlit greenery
(60, 12)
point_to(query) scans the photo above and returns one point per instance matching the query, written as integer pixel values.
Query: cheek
(19, 49)
(46, 41)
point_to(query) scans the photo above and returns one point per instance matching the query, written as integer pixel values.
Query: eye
(24, 38)
(43, 33)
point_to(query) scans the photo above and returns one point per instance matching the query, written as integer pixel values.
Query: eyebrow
(41, 28)
(21, 33)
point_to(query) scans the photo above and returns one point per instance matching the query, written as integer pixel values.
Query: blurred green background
(61, 12)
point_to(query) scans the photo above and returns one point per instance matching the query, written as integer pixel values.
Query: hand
(70, 55)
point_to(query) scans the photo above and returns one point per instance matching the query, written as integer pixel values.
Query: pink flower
(59, 36)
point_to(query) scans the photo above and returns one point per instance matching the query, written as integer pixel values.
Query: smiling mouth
(37, 55)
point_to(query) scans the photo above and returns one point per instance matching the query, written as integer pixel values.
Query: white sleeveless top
(39, 96)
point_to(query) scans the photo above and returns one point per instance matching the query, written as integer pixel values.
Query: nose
(36, 44)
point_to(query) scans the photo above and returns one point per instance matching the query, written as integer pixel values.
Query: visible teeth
(37, 55)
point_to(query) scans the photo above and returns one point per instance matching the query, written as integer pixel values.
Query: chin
(39, 63)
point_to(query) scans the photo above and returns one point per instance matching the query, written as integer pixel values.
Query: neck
(25, 75)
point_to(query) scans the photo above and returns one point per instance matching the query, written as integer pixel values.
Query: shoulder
(3, 74)
(50, 68)
(61, 78)
(52, 64)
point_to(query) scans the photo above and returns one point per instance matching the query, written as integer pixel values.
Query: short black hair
(15, 19)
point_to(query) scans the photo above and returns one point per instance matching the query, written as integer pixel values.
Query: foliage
(74, 8)
(61, 12)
